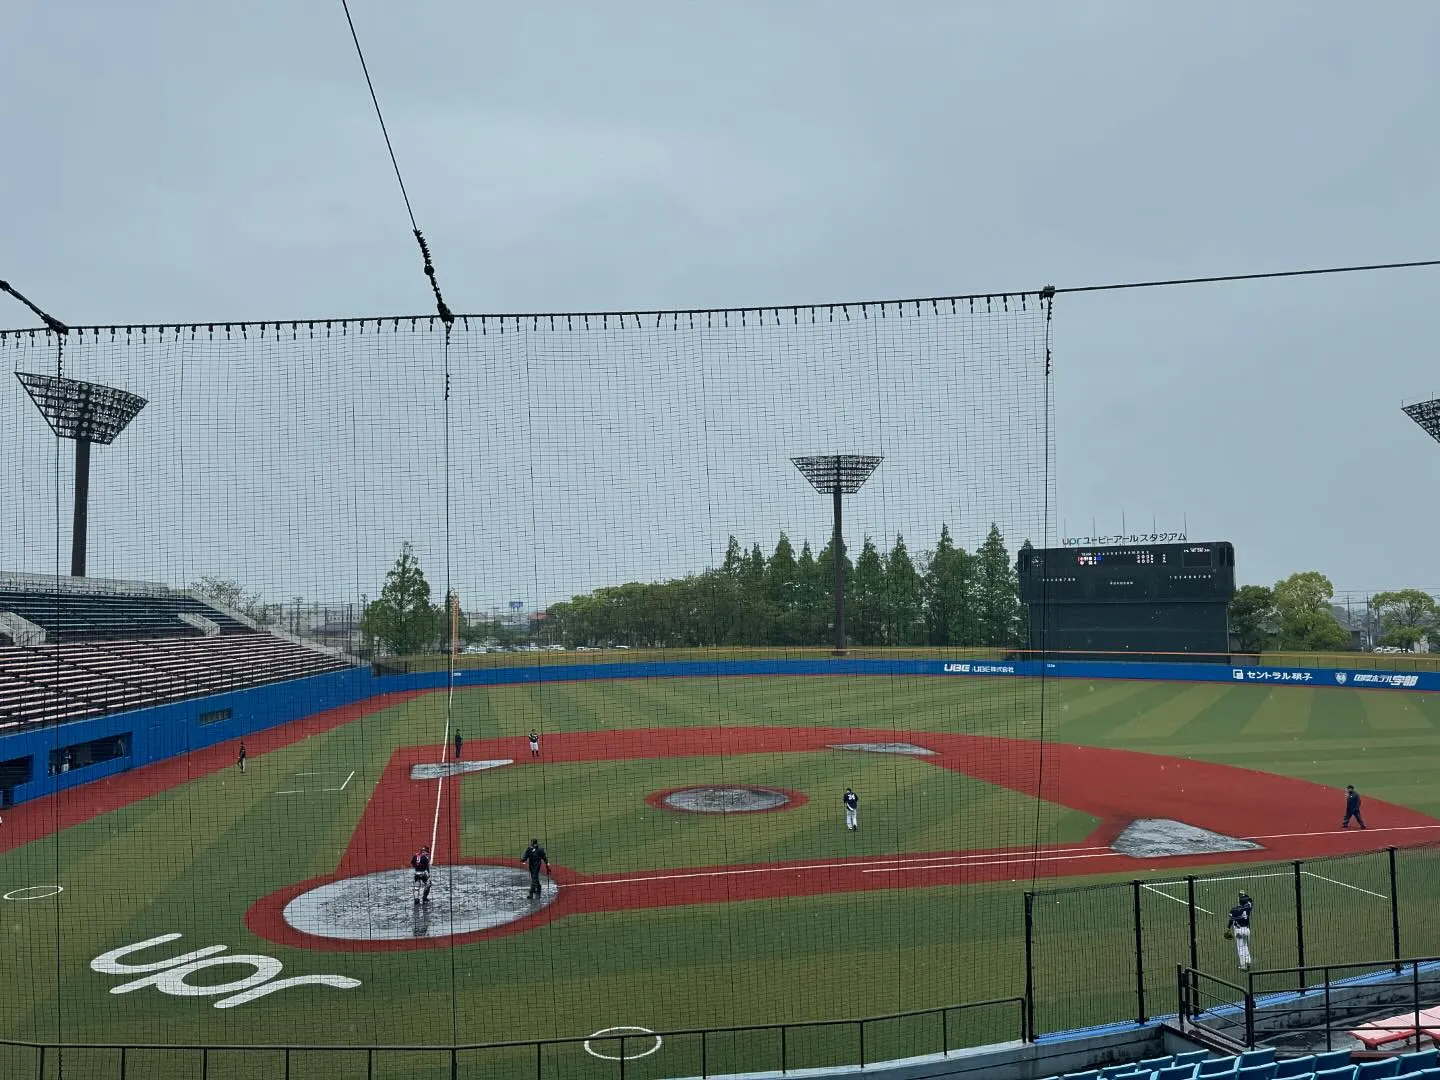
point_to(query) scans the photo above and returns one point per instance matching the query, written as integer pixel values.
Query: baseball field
(701, 871)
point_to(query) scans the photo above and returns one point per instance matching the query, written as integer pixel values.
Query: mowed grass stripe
(1143, 700)
(1282, 712)
(1169, 719)
(1387, 712)
(1338, 716)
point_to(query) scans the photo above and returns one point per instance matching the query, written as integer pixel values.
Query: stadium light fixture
(837, 475)
(1427, 415)
(86, 413)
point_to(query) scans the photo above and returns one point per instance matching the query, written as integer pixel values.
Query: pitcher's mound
(723, 800)
(1151, 838)
(379, 906)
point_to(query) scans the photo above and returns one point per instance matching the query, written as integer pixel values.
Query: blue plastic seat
(1091, 1074)
(1257, 1057)
(1345, 1072)
(1331, 1059)
(1177, 1072)
(1374, 1070)
(1154, 1064)
(1296, 1067)
(1194, 1057)
(1218, 1067)
(1263, 1071)
(1417, 1060)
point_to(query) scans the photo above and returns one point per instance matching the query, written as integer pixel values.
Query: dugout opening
(66, 759)
(13, 773)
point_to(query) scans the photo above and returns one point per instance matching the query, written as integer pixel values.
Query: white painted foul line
(346, 784)
(1344, 884)
(1178, 900)
(610, 1035)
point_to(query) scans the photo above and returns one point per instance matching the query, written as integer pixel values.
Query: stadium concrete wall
(166, 731)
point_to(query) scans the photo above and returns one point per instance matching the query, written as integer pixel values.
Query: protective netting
(576, 482)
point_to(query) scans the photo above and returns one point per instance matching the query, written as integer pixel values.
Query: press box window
(215, 717)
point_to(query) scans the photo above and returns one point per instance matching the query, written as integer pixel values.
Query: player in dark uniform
(1238, 927)
(534, 744)
(459, 744)
(1352, 808)
(420, 863)
(533, 858)
(241, 762)
(852, 809)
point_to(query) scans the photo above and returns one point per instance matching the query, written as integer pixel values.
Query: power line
(1263, 276)
(446, 316)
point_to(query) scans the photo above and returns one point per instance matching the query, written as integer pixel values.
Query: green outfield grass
(192, 860)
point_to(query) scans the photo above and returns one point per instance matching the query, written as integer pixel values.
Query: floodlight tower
(88, 413)
(1427, 415)
(837, 475)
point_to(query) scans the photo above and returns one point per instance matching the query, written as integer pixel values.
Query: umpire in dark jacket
(1352, 808)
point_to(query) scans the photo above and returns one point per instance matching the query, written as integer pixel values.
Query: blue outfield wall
(169, 730)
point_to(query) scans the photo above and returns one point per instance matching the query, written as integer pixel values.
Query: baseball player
(420, 863)
(534, 744)
(459, 744)
(241, 762)
(534, 856)
(852, 809)
(1352, 808)
(1238, 928)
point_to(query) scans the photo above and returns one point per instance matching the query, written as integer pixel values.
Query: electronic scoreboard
(1154, 599)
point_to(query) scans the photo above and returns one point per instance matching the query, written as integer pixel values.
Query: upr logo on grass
(172, 976)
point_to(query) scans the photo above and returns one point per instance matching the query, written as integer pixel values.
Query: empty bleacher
(1263, 1065)
(76, 616)
(111, 652)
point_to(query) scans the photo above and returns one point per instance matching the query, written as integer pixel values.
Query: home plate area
(378, 907)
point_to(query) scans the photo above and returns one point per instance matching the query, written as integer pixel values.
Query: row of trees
(945, 596)
(1298, 613)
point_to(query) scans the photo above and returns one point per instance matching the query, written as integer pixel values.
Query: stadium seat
(1257, 1057)
(1374, 1070)
(1193, 1057)
(1345, 1072)
(1263, 1071)
(1176, 1072)
(1218, 1067)
(1301, 1066)
(1153, 1064)
(1089, 1074)
(1331, 1059)
(1418, 1059)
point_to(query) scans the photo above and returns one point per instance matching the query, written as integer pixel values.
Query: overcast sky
(185, 161)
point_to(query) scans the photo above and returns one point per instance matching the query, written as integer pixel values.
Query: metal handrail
(205, 1049)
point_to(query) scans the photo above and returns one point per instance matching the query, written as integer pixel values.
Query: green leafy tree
(904, 607)
(1302, 606)
(402, 620)
(232, 595)
(1254, 621)
(1406, 616)
(997, 601)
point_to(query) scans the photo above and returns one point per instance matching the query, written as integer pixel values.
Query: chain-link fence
(1108, 953)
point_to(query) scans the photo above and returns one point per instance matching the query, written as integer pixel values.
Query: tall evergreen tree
(865, 605)
(949, 595)
(904, 608)
(997, 604)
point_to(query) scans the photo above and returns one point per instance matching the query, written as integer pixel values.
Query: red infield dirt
(1297, 820)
